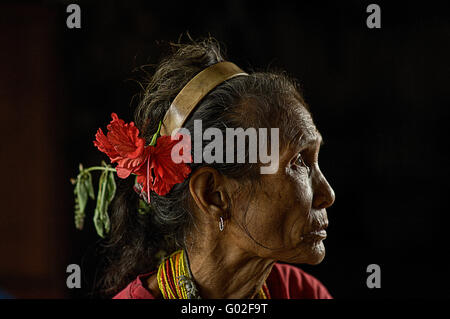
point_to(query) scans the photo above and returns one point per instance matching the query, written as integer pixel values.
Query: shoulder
(136, 289)
(290, 282)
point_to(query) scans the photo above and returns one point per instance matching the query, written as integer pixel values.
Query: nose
(323, 193)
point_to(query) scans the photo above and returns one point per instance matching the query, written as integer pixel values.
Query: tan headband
(194, 91)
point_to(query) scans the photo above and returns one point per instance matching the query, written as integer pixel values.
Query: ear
(207, 187)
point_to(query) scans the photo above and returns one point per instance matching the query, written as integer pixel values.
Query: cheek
(279, 211)
(298, 201)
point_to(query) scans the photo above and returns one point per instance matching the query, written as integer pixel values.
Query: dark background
(379, 97)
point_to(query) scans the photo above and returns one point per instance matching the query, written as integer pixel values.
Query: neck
(227, 272)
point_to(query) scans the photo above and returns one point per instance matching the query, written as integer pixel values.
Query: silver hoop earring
(221, 223)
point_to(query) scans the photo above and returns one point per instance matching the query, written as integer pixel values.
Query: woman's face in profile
(286, 211)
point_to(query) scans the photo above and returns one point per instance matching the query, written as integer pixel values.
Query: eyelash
(299, 156)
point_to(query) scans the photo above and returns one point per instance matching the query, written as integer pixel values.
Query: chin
(311, 253)
(317, 253)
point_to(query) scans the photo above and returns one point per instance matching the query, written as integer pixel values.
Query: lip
(319, 234)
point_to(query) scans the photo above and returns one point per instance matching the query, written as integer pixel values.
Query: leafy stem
(84, 190)
(97, 168)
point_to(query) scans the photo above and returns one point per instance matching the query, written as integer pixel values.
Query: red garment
(284, 282)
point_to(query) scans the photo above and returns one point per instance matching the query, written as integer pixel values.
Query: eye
(300, 162)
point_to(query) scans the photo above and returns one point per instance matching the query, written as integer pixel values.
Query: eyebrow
(311, 139)
(299, 141)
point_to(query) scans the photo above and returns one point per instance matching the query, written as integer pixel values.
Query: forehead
(299, 126)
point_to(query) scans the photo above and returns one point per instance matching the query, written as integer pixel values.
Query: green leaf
(155, 136)
(81, 192)
(109, 196)
(111, 187)
(83, 189)
(98, 223)
(106, 192)
(79, 215)
(98, 214)
(88, 185)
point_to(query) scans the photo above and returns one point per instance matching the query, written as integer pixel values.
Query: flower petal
(167, 173)
(103, 144)
(123, 146)
(123, 172)
(125, 138)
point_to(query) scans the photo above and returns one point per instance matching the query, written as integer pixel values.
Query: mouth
(317, 234)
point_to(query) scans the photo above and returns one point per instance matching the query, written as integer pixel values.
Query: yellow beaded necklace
(175, 279)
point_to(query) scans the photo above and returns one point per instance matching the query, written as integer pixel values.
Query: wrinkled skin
(271, 220)
(287, 206)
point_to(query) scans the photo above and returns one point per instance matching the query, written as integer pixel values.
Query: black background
(379, 97)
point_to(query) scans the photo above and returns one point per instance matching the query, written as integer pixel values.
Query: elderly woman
(216, 229)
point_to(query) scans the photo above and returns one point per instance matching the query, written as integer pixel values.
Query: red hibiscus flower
(153, 164)
(123, 146)
(163, 172)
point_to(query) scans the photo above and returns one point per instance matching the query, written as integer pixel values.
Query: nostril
(332, 197)
(324, 199)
